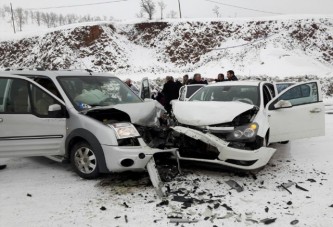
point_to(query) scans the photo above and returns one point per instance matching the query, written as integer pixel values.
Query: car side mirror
(282, 104)
(54, 107)
(56, 111)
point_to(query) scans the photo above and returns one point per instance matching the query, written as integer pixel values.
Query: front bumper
(228, 156)
(115, 156)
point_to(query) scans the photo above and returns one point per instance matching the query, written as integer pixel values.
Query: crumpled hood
(143, 113)
(207, 113)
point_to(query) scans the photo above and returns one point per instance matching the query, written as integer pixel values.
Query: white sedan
(232, 123)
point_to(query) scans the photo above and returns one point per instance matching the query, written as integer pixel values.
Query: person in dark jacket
(231, 75)
(170, 92)
(197, 79)
(220, 78)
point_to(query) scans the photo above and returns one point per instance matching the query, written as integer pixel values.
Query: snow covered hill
(268, 46)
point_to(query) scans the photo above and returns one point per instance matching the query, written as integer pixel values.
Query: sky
(127, 10)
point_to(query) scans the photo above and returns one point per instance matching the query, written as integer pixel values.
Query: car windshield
(87, 92)
(241, 93)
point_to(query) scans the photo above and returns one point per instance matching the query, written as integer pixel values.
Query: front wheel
(84, 161)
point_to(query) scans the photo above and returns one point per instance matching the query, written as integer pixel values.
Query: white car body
(26, 132)
(297, 112)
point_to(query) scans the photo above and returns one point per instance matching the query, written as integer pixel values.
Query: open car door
(32, 120)
(145, 92)
(298, 112)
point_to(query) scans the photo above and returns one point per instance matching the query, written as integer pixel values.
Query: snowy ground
(40, 192)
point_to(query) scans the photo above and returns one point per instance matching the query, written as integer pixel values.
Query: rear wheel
(84, 160)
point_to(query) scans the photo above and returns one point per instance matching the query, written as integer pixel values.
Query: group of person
(171, 86)
(220, 78)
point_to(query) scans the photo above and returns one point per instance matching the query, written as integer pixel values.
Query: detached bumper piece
(233, 157)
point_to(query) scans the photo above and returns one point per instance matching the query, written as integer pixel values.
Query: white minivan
(82, 117)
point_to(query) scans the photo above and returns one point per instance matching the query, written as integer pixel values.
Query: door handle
(1, 120)
(315, 110)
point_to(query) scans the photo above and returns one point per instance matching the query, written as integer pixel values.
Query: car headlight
(124, 130)
(245, 132)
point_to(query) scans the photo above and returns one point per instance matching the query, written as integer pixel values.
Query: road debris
(155, 178)
(163, 203)
(234, 185)
(301, 188)
(285, 186)
(268, 221)
(311, 180)
(227, 207)
(182, 220)
(102, 208)
(294, 222)
(29, 195)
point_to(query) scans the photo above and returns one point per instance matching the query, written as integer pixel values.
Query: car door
(145, 92)
(32, 120)
(298, 112)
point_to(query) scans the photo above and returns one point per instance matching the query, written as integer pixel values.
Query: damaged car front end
(218, 127)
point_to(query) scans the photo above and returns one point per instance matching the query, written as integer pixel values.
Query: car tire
(84, 161)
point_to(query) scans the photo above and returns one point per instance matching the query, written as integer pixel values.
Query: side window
(145, 93)
(267, 95)
(41, 101)
(48, 85)
(271, 89)
(302, 94)
(3, 86)
(182, 93)
(15, 96)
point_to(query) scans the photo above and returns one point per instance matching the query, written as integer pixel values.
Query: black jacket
(233, 78)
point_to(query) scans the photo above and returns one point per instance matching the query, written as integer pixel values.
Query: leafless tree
(71, 18)
(38, 18)
(53, 19)
(61, 19)
(3, 12)
(162, 6)
(149, 7)
(140, 14)
(46, 19)
(216, 11)
(19, 17)
(172, 14)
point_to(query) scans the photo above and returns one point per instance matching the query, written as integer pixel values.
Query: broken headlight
(124, 130)
(246, 132)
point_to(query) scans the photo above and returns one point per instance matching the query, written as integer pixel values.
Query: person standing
(170, 92)
(197, 79)
(231, 75)
(133, 88)
(185, 80)
(220, 78)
